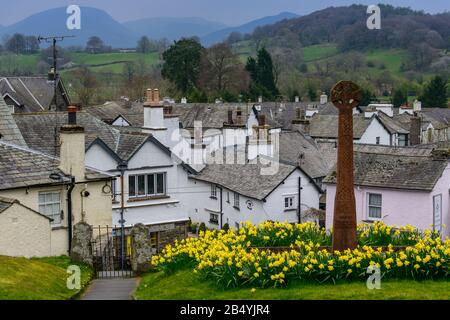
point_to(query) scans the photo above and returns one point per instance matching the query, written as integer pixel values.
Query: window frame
(213, 194)
(54, 222)
(213, 221)
(369, 205)
(236, 201)
(146, 177)
(292, 205)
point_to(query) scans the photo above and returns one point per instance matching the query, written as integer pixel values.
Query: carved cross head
(346, 95)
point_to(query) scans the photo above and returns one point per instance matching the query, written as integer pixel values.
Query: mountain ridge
(245, 28)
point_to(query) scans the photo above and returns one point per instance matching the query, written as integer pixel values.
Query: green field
(184, 285)
(99, 63)
(319, 52)
(38, 279)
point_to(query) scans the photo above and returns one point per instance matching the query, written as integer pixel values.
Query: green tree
(435, 93)
(262, 74)
(143, 45)
(367, 97)
(182, 64)
(399, 98)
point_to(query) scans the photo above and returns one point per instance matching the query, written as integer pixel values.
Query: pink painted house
(399, 186)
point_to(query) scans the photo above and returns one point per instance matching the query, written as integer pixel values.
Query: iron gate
(112, 252)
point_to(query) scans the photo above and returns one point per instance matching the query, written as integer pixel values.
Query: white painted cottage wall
(374, 130)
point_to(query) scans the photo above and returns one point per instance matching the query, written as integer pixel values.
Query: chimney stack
(415, 129)
(323, 98)
(72, 147)
(297, 99)
(239, 115)
(260, 99)
(262, 119)
(300, 122)
(154, 116)
(230, 116)
(417, 106)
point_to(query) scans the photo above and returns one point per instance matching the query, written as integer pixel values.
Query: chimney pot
(72, 115)
(156, 99)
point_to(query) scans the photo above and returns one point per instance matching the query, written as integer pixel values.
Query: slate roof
(326, 126)
(38, 131)
(394, 125)
(245, 179)
(34, 93)
(301, 150)
(21, 167)
(9, 132)
(399, 168)
(211, 114)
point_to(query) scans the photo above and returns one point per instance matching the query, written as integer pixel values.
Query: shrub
(226, 227)
(202, 227)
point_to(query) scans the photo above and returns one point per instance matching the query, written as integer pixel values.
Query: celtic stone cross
(345, 96)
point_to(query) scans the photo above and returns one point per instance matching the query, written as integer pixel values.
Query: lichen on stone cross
(345, 95)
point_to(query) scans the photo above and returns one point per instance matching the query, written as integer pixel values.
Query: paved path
(111, 289)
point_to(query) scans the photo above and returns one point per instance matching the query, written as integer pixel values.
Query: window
(50, 205)
(236, 201)
(402, 140)
(147, 185)
(132, 186)
(228, 196)
(213, 192)
(374, 206)
(237, 226)
(114, 190)
(377, 140)
(214, 218)
(289, 203)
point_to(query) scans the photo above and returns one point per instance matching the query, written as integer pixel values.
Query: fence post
(141, 251)
(81, 250)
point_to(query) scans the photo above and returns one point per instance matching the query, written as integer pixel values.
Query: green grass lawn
(38, 279)
(184, 285)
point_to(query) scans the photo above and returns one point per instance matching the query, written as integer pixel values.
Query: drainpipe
(299, 200)
(122, 167)
(69, 211)
(221, 208)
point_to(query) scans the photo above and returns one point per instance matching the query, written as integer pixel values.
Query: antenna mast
(53, 76)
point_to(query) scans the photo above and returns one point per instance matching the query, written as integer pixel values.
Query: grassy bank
(38, 279)
(184, 285)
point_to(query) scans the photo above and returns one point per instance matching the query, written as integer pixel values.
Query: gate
(111, 252)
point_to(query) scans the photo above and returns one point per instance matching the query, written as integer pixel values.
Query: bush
(202, 227)
(226, 227)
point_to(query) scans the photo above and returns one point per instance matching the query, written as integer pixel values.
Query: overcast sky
(230, 12)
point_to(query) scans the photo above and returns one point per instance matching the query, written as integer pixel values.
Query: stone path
(111, 289)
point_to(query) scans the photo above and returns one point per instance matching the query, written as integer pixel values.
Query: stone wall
(81, 243)
(179, 232)
(142, 249)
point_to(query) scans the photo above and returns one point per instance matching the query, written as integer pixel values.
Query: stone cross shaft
(345, 96)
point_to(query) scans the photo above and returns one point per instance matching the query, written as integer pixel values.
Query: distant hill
(172, 28)
(346, 26)
(249, 27)
(93, 22)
